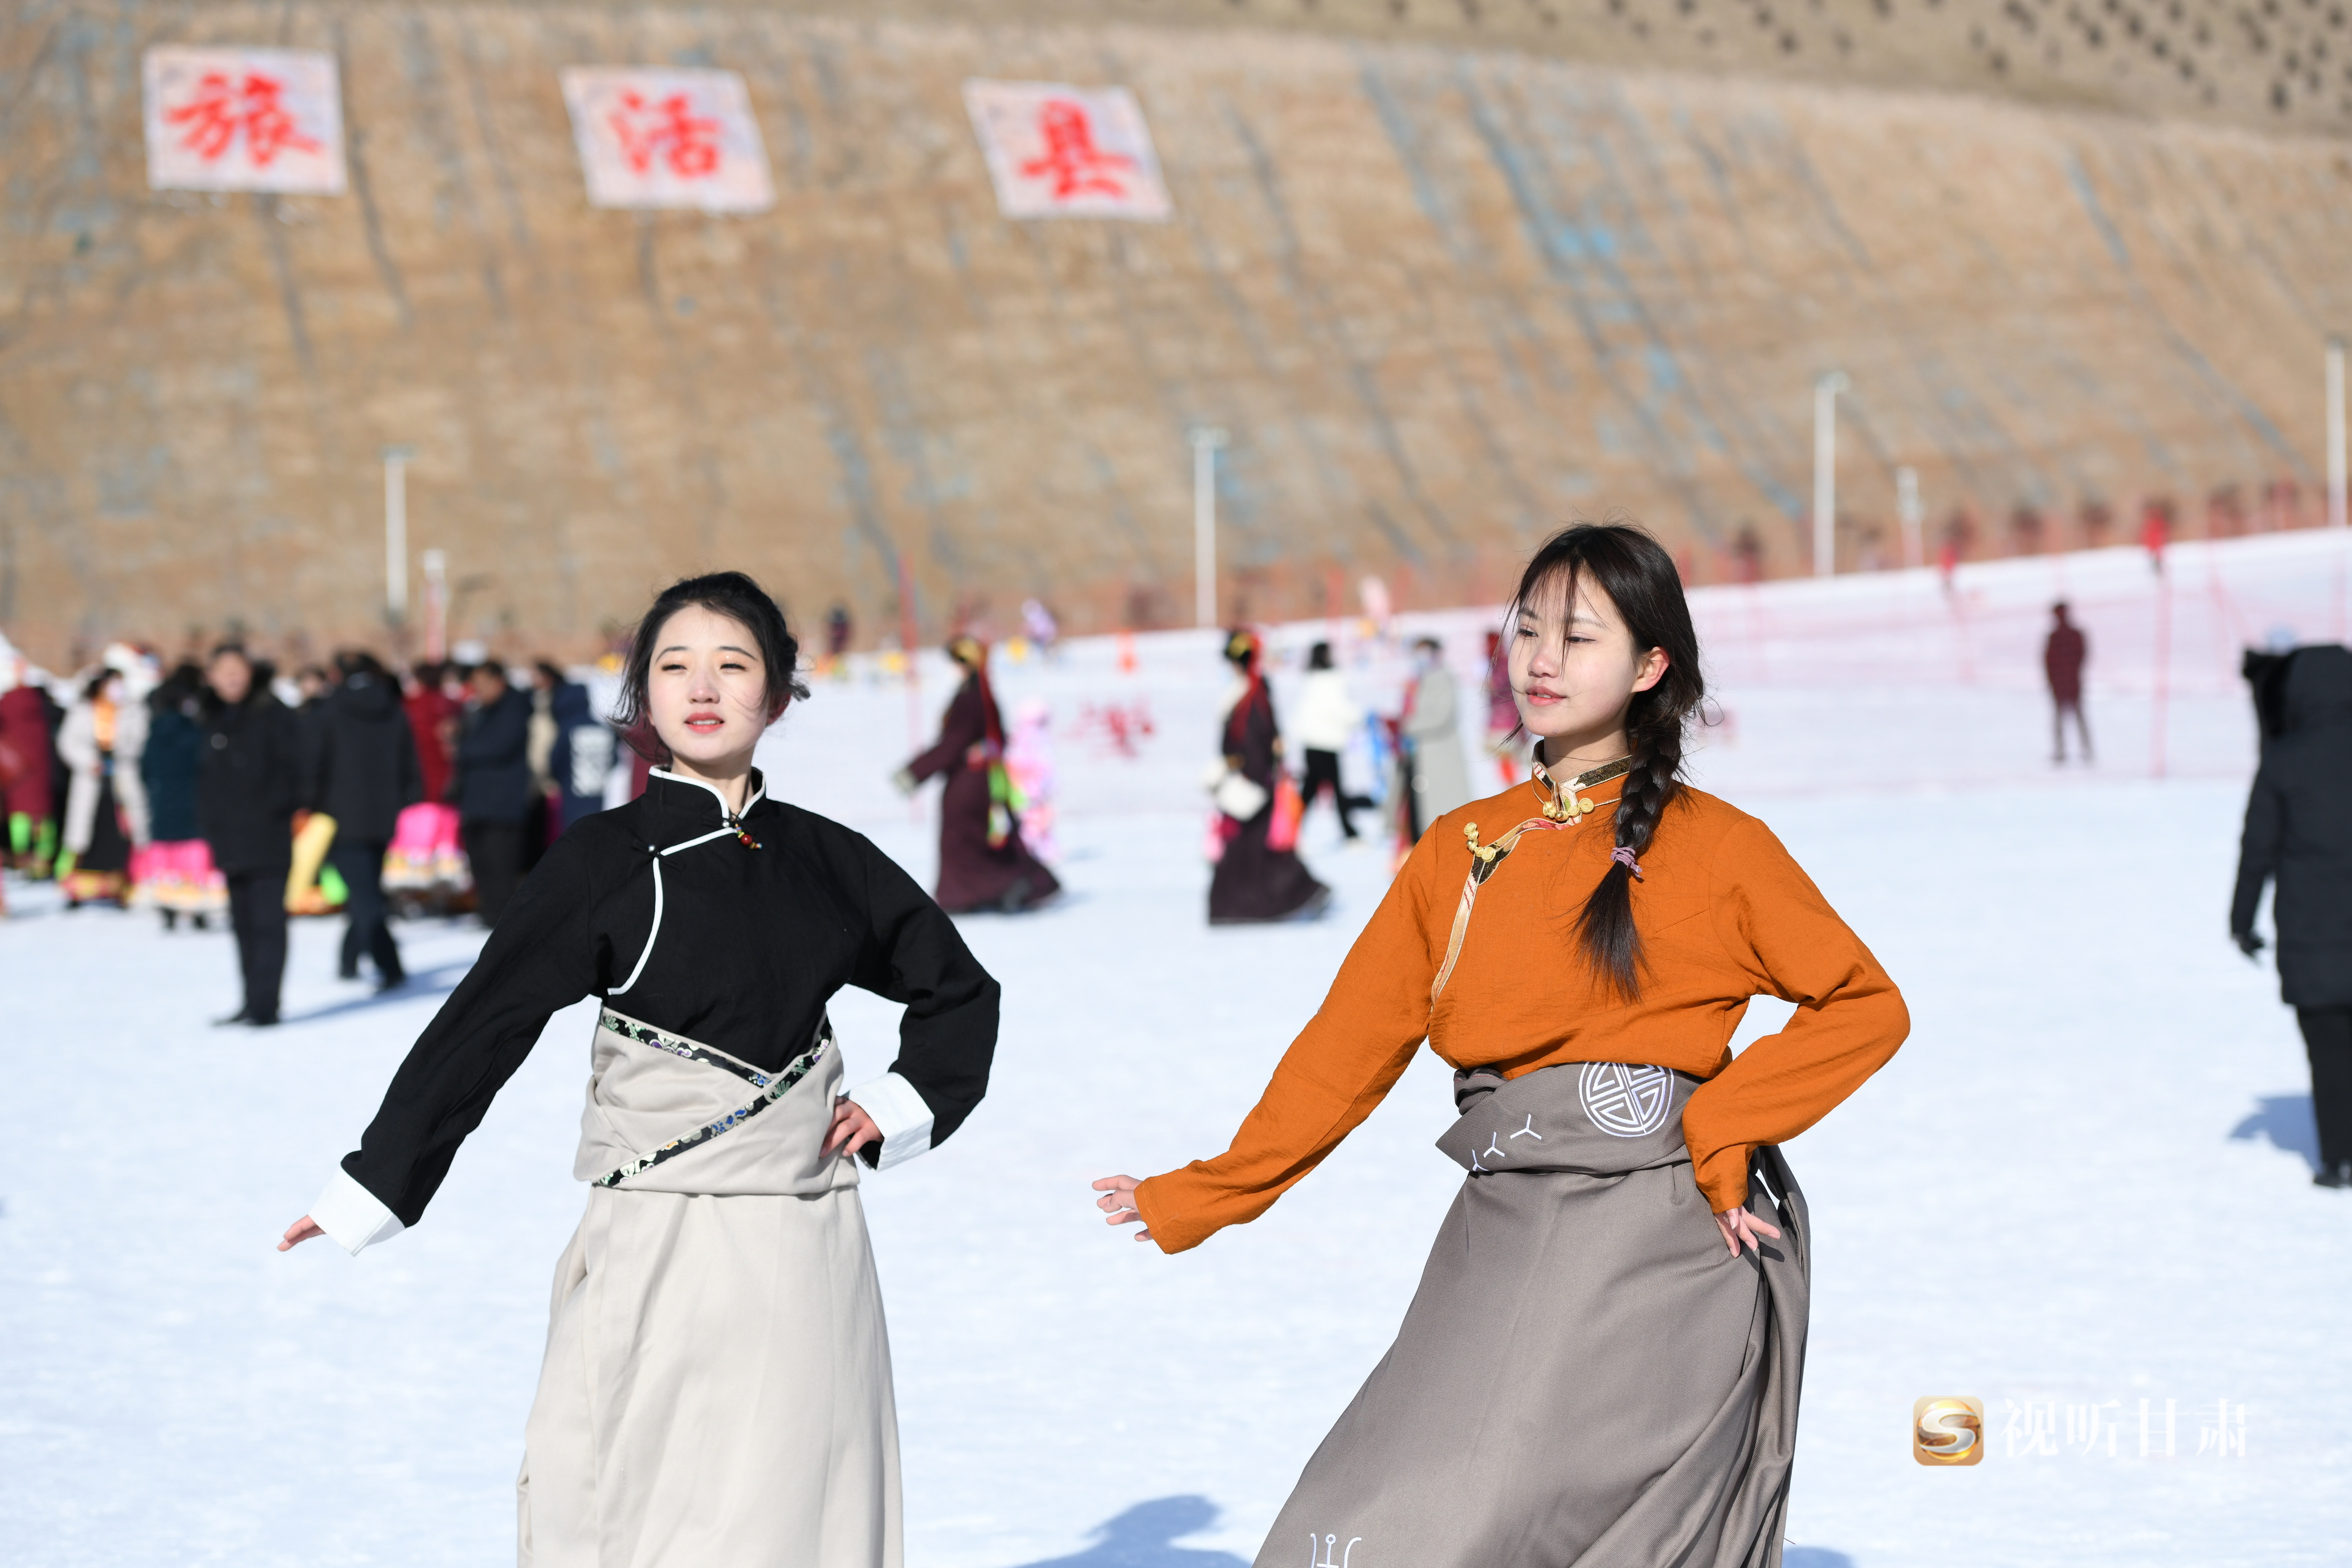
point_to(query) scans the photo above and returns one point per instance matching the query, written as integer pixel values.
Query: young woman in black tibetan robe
(716, 1386)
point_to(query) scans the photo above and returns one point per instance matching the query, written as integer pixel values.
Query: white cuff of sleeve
(900, 1113)
(353, 1217)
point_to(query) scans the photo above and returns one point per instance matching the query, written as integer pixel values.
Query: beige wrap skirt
(717, 1387)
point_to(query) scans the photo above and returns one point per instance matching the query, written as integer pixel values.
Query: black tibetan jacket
(753, 944)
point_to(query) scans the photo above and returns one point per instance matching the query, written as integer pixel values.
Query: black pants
(1323, 771)
(494, 850)
(360, 866)
(256, 913)
(2327, 1040)
(2060, 707)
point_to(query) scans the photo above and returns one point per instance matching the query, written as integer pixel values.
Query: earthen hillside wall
(1442, 298)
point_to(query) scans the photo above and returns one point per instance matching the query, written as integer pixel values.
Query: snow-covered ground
(2084, 1183)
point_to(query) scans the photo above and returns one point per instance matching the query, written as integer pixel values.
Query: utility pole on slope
(395, 533)
(1912, 515)
(2335, 432)
(1825, 395)
(1206, 439)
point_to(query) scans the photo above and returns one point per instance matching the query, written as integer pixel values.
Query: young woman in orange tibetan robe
(1601, 1366)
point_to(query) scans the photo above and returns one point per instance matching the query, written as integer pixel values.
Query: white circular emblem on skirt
(1625, 1100)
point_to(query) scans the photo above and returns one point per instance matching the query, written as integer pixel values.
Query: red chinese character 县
(1077, 166)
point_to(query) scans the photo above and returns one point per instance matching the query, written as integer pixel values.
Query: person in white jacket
(106, 812)
(1326, 719)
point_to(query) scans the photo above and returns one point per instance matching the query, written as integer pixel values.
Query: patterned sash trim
(678, 1045)
(774, 1090)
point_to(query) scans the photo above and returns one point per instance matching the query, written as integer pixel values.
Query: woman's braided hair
(1621, 561)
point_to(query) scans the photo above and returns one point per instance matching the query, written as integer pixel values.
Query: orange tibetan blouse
(1725, 915)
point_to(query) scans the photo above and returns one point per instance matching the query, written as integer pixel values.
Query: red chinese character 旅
(1077, 166)
(223, 108)
(669, 130)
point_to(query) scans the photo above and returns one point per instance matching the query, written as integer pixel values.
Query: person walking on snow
(1256, 878)
(106, 810)
(26, 798)
(366, 774)
(491, 786)
(983, 863)
(2062, 658)
(1433, 725)
(1327, 719)
(246, 796)
(2298, 833)
(180, 880)
(717, 1389)
(1601, 1366)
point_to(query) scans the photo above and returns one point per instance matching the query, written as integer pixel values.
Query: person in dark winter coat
(983, 864)
(586, 748)
(180, 878)
(1254, 880)
(367, 774)
(2062, 658)
(2299, 832)
(246, 794)
(173, 755)
(491, 787)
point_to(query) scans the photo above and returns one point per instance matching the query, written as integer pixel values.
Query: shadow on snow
(2285, 1120)
(438, 980)
(1145, 1536)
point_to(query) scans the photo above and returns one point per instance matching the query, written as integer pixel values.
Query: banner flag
(1056, 151)
(243, 119)
(654, 136)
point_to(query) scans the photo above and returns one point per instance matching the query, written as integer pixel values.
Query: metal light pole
(1912, 515)
(1206, 439)
(437, 605)
(395, 533)
(2335, 432)
(1825, 394)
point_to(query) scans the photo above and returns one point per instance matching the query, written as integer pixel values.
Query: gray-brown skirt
(1586, 1375)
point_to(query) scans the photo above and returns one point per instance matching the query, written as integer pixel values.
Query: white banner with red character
(651, 136)
(1067, 151)
(243, 119)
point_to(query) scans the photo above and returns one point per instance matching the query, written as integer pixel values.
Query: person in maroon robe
(432, 716)
(27, 828)
(2062, 658)
(984, 865)
(1256, 881)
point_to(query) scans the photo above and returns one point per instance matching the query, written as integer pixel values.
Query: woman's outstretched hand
(1738, 1226)
(852, 1129)
(1117, 1203)
(300, 1231)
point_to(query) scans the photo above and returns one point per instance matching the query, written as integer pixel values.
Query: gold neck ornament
(1567, 804)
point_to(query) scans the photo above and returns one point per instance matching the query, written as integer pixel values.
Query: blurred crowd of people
(229, 789)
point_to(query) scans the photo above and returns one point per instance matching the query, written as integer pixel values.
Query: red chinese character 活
(223, 108)
(669, 130)
(1077, 166)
